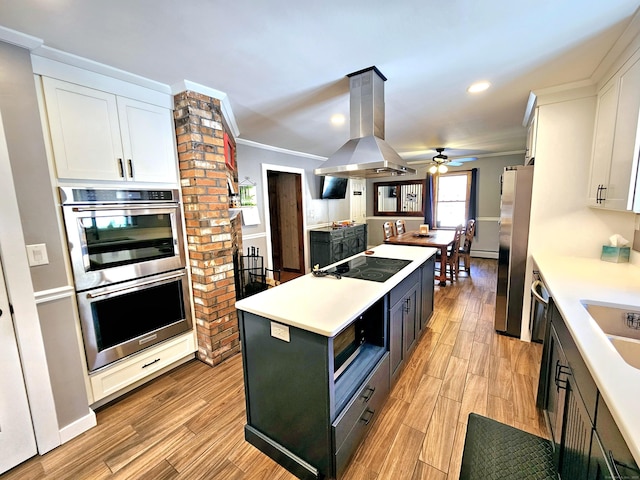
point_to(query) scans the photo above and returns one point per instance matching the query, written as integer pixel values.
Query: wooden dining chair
(400, 227)
(465, 247)
(451, 265)
(388, 229)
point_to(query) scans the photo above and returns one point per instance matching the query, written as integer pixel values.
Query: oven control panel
(105, 195)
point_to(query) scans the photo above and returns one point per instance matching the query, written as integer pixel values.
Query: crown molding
(19, 39)
(630, 39)
(92, 66)
(251, 143)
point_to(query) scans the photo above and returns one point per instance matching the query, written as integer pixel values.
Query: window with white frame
(451, 199)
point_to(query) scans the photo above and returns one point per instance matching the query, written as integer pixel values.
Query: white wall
(561, 221)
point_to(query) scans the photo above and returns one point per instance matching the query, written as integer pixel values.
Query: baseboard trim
(280, 454)
(79, 426)
(484, 254)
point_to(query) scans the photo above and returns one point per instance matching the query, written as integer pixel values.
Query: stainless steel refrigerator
(515, 205)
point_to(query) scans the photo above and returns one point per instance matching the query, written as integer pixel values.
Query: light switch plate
(37, 254)
(280, 331)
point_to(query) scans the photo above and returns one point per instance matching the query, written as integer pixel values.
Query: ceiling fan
(440, 161)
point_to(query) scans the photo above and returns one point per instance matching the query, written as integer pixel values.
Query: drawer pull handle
(370, 414)
(368, 394)
(150, 363)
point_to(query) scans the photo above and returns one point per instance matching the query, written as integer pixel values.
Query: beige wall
(38, 213)
(485, 243)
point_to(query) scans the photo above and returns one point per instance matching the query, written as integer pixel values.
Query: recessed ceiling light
(478, 87)
(338, 119)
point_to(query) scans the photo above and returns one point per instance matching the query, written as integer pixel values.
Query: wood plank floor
(188, 424)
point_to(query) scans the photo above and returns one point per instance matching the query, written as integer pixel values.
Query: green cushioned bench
(493, 450)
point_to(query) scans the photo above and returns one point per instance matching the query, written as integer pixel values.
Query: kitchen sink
(621, 325)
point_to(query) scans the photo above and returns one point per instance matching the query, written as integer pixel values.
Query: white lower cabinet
(97, 135)
(112, 379)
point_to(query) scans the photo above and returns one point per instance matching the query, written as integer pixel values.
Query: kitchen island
(606, 386)
(302, 410)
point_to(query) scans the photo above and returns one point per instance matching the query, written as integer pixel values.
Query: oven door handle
(119, 206)
(534, 292)
(139, 284)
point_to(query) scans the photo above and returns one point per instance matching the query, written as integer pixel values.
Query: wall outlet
(280, 331)
(37, 254)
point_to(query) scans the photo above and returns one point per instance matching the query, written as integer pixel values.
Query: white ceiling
(283, 62)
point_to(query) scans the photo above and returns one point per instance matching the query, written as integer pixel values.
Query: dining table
(441, 239)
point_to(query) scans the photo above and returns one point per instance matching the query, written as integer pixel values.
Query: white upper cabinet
(532, 133)
(616, 141)
(100, 136)
(147, 140)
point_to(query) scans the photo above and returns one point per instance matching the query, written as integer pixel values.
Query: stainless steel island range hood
(366, 154)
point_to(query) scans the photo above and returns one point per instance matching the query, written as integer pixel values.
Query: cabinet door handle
(121, 167)
(369, 414)
(368, 394)
(130, 165)
(561, 369)
(614, 465)
(407, 305)
(599, 194)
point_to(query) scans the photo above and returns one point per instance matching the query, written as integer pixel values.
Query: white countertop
(571, 280)
(325, 305)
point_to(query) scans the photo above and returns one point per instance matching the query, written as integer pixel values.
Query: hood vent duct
(366, 155)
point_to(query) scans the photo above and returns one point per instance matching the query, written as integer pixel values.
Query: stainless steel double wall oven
(129, 268)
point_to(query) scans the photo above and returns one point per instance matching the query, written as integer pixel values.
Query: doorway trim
(25, 314)
(267, 216)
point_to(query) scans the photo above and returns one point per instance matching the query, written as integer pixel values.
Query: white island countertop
(571, 281)
(325, 305)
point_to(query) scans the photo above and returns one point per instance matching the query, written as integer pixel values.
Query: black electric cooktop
(376, 269)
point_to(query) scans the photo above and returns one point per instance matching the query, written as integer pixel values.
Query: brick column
(203, 178)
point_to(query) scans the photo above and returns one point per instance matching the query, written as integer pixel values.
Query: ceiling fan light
(442, 169)
(433, 169)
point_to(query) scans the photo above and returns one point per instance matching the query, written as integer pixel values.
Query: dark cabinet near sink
(588, 444)
(330, 245)
(610, 456)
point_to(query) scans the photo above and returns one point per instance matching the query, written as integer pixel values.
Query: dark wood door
(285, 211)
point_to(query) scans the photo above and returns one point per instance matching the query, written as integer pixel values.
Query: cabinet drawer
(613, 443)
(367, 399)
(583, 379)
(403, 287)
(115, 378)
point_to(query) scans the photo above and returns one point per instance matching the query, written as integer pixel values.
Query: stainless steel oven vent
(366, 154)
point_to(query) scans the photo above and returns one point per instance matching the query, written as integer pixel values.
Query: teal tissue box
(615, 254)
